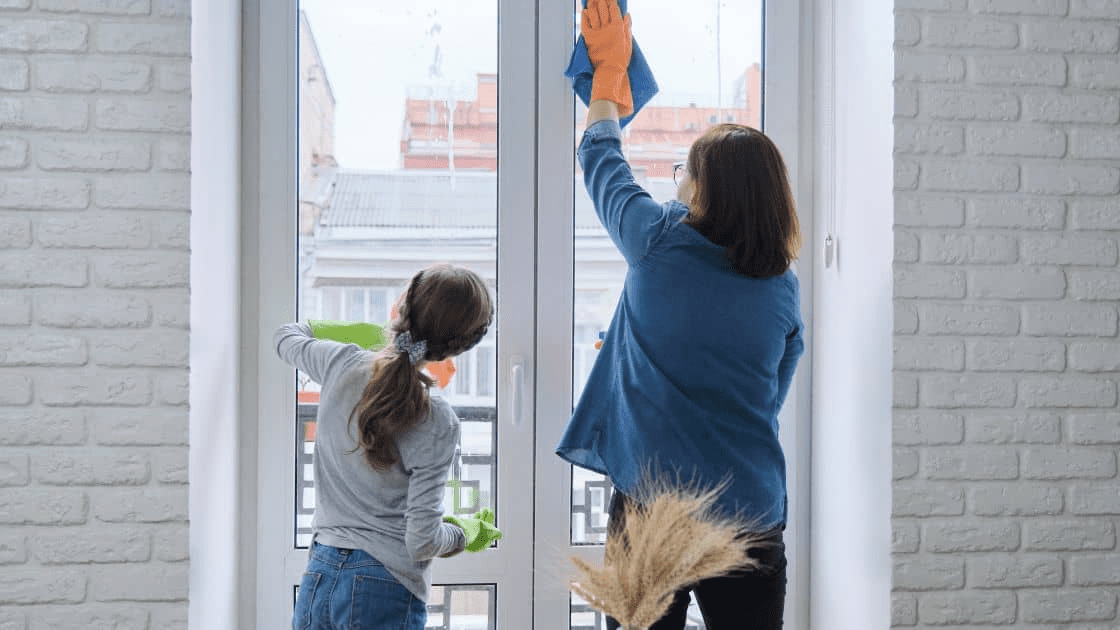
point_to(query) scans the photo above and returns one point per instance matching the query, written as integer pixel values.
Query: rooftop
(465, 200)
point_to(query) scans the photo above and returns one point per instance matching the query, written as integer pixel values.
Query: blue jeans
(348, 589)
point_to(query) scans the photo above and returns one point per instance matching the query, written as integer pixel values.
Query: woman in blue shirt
(707, 333)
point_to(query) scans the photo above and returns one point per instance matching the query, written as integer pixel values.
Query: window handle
(517, 390)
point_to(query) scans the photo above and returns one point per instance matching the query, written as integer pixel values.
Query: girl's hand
(609, 44)
(479, 529)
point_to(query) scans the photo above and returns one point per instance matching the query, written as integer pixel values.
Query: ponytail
(449, 309)
(395, 399)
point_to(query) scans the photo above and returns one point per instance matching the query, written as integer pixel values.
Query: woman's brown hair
(741, 199)
(448, 308)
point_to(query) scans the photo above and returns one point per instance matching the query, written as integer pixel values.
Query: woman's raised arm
(601, 110)
(609, 46)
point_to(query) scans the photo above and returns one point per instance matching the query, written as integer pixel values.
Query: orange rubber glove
(609, 43)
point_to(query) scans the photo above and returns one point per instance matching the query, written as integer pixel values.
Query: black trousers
(746, 600)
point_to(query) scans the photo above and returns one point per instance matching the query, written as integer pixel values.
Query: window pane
(474, 471)
(463, 370)
(305, 475)
(462, 607)
(356, 305)
(378, 306)
(717, 77)
(329, 300)
(456, 607)
(591, 496)
(398, 164)
(485, 371)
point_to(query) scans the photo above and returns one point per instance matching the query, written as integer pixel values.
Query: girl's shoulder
(356, 365)
(436, 433)
(443, 415)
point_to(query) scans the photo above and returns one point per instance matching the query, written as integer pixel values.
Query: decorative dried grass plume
(671, 539)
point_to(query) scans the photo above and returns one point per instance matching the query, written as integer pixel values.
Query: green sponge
(479, 529)
(368, 336)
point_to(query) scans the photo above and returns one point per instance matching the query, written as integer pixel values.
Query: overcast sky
(374, 51)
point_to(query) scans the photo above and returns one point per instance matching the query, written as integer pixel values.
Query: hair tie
(414, 349)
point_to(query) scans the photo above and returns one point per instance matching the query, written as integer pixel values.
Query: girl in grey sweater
(384, 447)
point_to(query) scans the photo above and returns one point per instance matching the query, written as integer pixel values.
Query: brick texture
(1007, 285)
(94, 314)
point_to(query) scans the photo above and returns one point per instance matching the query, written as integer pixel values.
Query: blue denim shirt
(697, 360)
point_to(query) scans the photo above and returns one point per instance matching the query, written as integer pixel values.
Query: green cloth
(479, 529)
(368, 336)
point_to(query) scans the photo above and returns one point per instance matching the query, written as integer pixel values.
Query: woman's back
(694, 369)
(700, 355)
(692, 305)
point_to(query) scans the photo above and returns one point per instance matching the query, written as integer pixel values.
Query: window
(484, 383)
(474, 382)
(348, 303)
(585, 342)
(374, 212)
(330, 303)
(464, 380)
(355, 307)
(444, 181)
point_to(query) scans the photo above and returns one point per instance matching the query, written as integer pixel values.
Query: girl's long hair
(449, 308)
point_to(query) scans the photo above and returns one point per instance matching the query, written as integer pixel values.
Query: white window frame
(266, 287)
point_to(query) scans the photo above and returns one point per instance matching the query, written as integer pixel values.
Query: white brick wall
(1007, 360)
(94, 229)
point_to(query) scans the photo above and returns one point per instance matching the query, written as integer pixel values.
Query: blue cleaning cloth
(642, 85)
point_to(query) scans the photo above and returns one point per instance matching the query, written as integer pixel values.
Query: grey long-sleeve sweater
(394, 515)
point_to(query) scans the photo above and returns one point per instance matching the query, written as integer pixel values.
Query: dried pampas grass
(671, 539)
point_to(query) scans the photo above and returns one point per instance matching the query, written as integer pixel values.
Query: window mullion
(555, 218)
